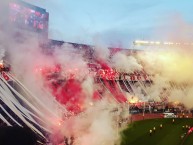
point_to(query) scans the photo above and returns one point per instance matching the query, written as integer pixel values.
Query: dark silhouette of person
(66, 140)
(71, 140)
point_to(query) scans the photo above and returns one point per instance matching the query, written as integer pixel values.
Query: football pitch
(138, 133)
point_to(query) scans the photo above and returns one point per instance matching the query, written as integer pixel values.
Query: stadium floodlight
(140, 42)
(157, 43)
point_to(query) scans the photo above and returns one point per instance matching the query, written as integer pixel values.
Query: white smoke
(98, 124)
(71, 60)
(169, 66)
(95, 126)
(87, 128)
(124, 63)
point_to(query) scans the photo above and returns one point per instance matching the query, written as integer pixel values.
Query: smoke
(23, 53)
(167, 62)
(26, 59)
(92, 120)
(170, 69)
(88, 128)
(101, 52)
(71, 60)
(124, 63)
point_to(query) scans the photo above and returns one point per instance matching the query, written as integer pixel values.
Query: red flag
(5, 76)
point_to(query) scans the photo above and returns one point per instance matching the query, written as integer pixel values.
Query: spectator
(66, 141)
(161, 126)
(150, 132)
(154, 129)
(71, 140)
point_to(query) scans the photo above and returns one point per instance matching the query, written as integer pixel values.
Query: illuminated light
(176, 102)
(133, 100)
(151, 42)
(141, 42)
(145, 41)
(157, 42)
(168, 43)
(138, 42)
(1, 65)
(32, 11)
(91, 103)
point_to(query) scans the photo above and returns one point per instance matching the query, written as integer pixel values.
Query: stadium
(62, 93)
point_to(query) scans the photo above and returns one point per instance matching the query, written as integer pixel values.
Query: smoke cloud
(170, 71)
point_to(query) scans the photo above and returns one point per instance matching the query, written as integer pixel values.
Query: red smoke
(69, 91)
(70, 94)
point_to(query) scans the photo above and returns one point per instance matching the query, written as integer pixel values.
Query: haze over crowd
(166, 66)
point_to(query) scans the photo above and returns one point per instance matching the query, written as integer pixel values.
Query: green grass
(137, 133)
